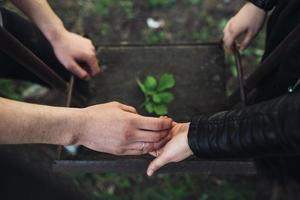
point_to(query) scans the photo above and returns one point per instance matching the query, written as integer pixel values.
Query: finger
(147, 147)
(163, 117)
(156, 153)
(144, 147)
(247, 40)
(156, 164)
(153, 153)
(153, 124)
(93, 64)
(230, 36)
(162, 143)
(77, 70)
(149, 136)
(128, 108)
(174, 124)
(133, 153)
(225, 36)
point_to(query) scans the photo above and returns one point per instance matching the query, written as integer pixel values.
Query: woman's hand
(247, 21)
(77, 54)
(177, 149)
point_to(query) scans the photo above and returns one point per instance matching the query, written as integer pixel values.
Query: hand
(77, 54)
(177, 149)
(117, 129)
(247, 21)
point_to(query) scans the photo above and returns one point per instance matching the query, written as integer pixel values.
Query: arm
(112, 128)
(43, 16)
(266, 129)
(71, 49)
(23, 123)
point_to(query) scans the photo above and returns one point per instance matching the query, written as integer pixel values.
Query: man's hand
(247, 21)
(112, 128)
(177, 149)
(117, 129)
(77, 54)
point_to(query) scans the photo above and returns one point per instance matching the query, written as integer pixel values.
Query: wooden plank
(198, 69)
(200, 89)
(139, 166)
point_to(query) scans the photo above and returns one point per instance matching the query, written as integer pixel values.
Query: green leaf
(141, 86)
(150, 83)
(156, 98)
(166, 97)
(149, 107)
(167, 81)
(160, 109)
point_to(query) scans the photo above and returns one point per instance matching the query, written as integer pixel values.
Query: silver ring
(143, 146)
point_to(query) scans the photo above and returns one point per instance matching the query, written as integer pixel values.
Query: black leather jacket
(264, 4)
(270, 128)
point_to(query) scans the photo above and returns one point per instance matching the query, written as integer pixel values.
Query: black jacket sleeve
(264, 4)
(267, 129)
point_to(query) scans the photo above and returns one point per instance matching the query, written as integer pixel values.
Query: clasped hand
(118, 129)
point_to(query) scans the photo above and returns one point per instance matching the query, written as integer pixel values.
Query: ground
(184, 21)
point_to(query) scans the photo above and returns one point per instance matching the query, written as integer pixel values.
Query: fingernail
(150, 172)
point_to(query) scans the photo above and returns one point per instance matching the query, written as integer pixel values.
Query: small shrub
(157, 94)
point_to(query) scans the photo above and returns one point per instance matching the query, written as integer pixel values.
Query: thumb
(77, 70)
(247, 40)
(157, 163)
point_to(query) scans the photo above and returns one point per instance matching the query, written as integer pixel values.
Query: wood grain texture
(200, 89)
(198, 70)
(139, 166)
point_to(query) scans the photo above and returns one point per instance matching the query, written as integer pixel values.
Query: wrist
(256, 8)
(55, 32)
(73, 127)
(258, 5)
(189, 152)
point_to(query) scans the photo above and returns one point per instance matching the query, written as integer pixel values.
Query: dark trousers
(19, 180)
(33, 39)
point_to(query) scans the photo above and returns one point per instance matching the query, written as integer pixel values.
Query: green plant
(128, 8)
(195, 2)
(103, 7)
(11, 90)
(160, 3)
(157, 94)
(155, 37)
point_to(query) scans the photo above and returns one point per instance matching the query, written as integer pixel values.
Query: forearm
(267, 129)
(43, 16)
(23, 123)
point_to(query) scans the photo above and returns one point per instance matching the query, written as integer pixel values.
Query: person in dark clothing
(64, 51)
(112, 128)
(267, 130)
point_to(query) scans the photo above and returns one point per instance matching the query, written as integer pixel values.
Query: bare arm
(112, 128)
(71, 49)
(43, 16)
(23, 123)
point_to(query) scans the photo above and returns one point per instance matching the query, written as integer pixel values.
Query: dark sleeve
(264, 4)
(266, 129)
